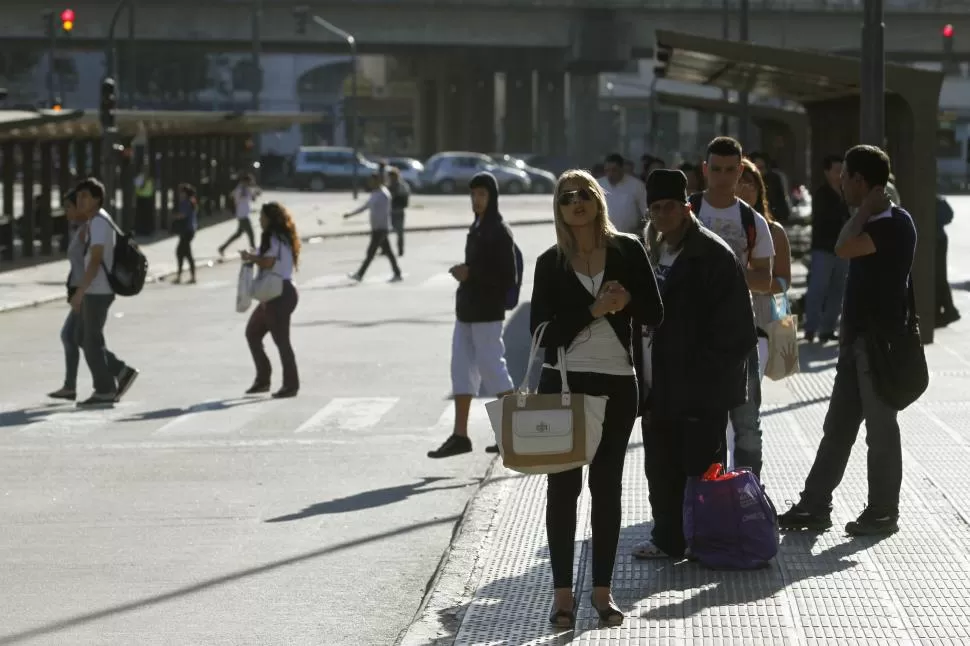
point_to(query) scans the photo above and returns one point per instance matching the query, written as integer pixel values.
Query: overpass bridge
(550, 51)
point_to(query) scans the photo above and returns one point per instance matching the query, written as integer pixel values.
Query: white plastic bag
(244, 288)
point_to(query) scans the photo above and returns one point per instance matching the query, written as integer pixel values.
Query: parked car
(411, 170)
(551, 163)
(449, 172)
(542, 180)
(320, 168)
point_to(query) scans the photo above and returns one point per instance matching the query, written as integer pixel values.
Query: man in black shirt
(879, 241)
(826, 278)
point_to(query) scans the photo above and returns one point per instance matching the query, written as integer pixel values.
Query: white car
(411, 170)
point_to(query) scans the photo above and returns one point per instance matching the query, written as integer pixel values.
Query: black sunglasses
(571, 197)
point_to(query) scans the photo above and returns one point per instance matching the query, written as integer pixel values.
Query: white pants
(478, 357)
(762, 361)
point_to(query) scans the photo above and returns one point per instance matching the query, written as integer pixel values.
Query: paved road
(191, 515)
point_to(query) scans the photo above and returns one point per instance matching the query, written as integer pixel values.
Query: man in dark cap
(484, 280)
(694, 368)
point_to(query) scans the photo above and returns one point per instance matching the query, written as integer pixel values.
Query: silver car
(450, 172)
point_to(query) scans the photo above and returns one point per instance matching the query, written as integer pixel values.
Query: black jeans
(70, 338)
(675, 449)
(243, 225)
(605, 478)
(397, 223)
(378, 240)
(273, 317)
(944, 297)
(854, 399)
(183, 252)
(104, 365)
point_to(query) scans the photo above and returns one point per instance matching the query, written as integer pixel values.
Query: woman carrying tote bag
(277, 257)
(589, 288)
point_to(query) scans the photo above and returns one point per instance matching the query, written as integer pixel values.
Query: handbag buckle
(566, 399)
(521, 399)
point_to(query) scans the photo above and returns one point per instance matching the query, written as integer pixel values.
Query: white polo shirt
(626, 203)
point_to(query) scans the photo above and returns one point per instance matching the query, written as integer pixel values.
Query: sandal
(647, 551)
(562, 618)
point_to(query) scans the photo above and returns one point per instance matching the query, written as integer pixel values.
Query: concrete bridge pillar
(551, 135)
(583, 117)
(518, 126)
(478, 115)
(428, 116)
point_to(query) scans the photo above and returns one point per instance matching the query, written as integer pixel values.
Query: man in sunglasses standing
(484, 280)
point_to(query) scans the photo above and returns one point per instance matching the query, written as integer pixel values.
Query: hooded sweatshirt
(490, 259)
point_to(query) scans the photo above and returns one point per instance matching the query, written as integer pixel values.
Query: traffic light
(949, 65)
(67, 21)
(109, 102)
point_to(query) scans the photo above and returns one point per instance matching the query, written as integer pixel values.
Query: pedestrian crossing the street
(442, 281)
(240, 421)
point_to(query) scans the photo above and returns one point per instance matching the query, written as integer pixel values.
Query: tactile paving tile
(911, 588)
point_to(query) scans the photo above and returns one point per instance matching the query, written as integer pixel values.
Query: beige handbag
(782, 341)
(547, 433)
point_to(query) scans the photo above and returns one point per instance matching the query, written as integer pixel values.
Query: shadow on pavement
(166, 413)
(815, 357)
(369, 499)
(207, 584)
(32, 414)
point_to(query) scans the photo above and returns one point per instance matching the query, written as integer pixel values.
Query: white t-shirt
(100, 232)
(243, 195)
(661, 270)
(726, 223)
(626, 203)
(284, 258)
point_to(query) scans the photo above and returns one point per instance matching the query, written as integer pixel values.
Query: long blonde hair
(565, 238)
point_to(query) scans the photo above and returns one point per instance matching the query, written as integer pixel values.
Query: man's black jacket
(699, 352)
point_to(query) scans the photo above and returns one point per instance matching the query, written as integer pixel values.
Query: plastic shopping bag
(244, 288)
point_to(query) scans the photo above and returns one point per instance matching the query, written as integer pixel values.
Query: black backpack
(747, 218)
(129, 270)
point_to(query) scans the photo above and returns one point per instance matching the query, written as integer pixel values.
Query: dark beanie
(666, 184)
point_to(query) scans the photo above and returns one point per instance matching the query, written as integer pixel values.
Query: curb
(441, 612)
(212, 262)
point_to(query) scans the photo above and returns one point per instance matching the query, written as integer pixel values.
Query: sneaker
(355, 276)
(800, 518)
(492, 449)
(98, 400)
(454, 445)
(872, 523)
(125, 381)
(396, 278)
(825, 338)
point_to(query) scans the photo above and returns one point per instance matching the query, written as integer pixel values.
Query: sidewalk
(494, 586)
(317, 215)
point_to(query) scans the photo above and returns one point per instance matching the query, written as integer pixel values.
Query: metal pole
(743, 121)
(726, 35)
(130, 56)
(653, 115)
(350, 107)
(257, 74)
(872, 123)
(52, 54)
(108, 131)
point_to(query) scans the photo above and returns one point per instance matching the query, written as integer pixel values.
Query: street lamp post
(744, 126)
(108, 128)
(872, 113)
(350, 120)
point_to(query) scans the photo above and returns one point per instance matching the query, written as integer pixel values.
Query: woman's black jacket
(700, 351)
(561, 299)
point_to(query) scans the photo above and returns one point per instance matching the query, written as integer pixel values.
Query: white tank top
(596, 348)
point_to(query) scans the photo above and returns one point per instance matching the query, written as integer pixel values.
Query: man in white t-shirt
(243, 196)
(748, 235)
(112, 377)
(626, 197)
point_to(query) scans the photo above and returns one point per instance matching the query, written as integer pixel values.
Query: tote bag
(244, 288)
(546, 433)
(268, 285)
(782, 339)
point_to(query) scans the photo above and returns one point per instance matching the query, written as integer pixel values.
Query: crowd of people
(657, 293)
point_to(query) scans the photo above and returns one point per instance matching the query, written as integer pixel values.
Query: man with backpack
(96, 292)
(488, 285)
(746, 232)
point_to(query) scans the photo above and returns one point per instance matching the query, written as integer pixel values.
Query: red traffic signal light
(67, 19)
(947, 31)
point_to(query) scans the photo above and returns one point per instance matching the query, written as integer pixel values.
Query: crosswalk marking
(219, 417)
(477, 417)
(349, 414)
(68, 423)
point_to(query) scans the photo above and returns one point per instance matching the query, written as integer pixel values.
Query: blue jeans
(72, 348)
(746, 420)
(826, 286)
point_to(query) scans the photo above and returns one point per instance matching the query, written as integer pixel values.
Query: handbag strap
(533, 351)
